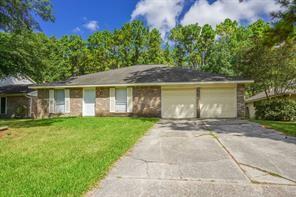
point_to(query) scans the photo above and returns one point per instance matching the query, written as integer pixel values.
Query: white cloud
(160, 14)
(76, 30)
(248, 10)
(91, 25)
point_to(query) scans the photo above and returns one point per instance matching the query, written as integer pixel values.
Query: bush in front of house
(276, 109)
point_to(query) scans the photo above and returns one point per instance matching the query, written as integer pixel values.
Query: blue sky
(83, 17)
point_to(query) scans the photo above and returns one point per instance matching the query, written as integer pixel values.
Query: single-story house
(16, 98)
(144, 90)
(250, 102)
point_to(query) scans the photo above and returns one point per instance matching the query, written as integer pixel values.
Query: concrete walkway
(205, 158)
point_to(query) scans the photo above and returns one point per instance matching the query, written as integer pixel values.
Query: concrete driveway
(205, 158)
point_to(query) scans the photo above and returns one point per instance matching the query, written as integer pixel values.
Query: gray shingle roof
(142, 74)
(262, 95)
(15, 89)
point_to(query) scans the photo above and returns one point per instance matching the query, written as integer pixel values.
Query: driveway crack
(267, 172)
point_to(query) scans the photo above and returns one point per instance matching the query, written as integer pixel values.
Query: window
(3, 105)
(59, 97)
(120, 100)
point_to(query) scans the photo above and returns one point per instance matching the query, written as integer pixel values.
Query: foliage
(284, 29)
(191, 44)
(47, 59)
(16, 15)
(63, 156)
(276, 109)
(272, 68)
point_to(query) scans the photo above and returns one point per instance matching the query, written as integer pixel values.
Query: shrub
(276, 109)
(21, 111)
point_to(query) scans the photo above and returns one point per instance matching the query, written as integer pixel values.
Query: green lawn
(288, 128)
(63, 156)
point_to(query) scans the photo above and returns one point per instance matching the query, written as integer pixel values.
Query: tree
(272, 68)
(231, 39)
(206, 41)
(154, 51)
(284, 27)
(186, 40)
(16, 15)
(101, 48)
(130, 43)
(75, 55)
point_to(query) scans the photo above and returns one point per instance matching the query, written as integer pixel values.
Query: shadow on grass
(27, 123)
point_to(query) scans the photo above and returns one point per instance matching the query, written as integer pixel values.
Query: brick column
(76, 102)
(42, 103)
(197, 102)
(241, 108)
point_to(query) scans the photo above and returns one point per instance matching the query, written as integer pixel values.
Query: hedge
(276, 109)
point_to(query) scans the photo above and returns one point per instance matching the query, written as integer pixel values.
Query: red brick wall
(147, 101)
(76, 102)
(102, 102)
(42, 103)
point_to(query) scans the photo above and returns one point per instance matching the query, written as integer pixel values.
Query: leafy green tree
(284, 27)
(231, 39)
(186, 40)
(155, 53)
(101, 49)
(16, 15)
(130, 42)
(206, 41)
(74, 53)
(270, 67)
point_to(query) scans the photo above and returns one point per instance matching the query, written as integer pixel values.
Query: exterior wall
(147, 101)
(42, 103)
(240, 94)
(102, 102)
(251, 110)
(76, 102)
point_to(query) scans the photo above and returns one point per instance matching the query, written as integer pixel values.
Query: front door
(89, 100)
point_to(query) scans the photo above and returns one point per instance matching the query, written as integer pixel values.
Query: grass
(286, 127)
(63, 156)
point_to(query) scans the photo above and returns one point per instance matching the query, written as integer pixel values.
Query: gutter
(145, 84)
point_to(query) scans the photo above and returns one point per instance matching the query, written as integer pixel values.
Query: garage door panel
(218, 103)
(178, 103)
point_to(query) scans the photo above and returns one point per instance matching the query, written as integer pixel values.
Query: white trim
(67, 101)
(129, 95)
(51, 101)
(148, 84)
(112, 100)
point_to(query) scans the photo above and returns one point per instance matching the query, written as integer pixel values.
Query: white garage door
(217, 102)
(178, 103)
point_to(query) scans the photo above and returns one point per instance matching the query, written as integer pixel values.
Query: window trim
(5, 105)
